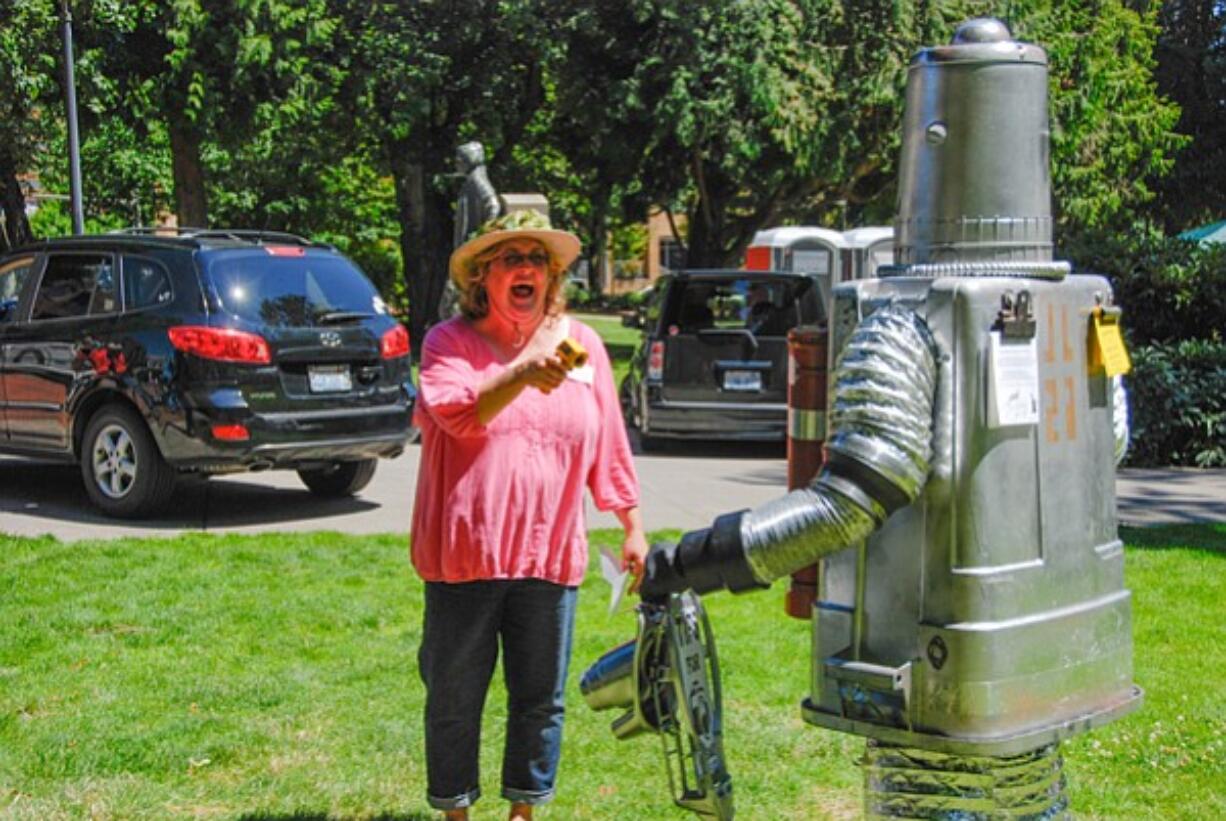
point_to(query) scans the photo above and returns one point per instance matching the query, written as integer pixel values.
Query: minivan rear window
(767, 307)
(292, 291)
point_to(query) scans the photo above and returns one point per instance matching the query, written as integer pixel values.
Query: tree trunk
(704, 249)
(711, 227)
(191, 204)
(598, 227)
(722, 224)
(16, 227)
(425, 238)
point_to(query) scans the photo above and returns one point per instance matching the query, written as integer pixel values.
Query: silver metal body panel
(1000, 592)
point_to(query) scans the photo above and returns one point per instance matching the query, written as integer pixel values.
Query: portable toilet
(865, 250)
(799, 248)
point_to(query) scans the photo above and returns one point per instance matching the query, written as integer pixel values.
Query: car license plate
(742, 380)
(329, 378)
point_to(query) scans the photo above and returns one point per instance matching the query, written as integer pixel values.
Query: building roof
(1213, 232)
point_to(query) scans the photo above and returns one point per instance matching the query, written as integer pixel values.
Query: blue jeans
(463, 624)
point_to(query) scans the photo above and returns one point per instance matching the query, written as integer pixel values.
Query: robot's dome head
(974, 176)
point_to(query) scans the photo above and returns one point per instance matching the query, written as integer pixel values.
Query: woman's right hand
(545, 372)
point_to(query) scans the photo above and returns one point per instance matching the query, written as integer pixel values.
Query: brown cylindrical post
(806, 433)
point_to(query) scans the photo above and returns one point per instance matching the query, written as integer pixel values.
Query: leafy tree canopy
(1191, 71)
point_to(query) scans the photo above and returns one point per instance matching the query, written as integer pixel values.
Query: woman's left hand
(634, 544)
(634, 552)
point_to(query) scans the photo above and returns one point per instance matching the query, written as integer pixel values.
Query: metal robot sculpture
(971, 610)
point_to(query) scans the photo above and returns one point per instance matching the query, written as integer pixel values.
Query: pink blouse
(505, 500)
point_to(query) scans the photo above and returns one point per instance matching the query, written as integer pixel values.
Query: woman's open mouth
(523, 296)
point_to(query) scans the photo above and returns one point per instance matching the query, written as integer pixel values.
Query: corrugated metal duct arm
(878, 457)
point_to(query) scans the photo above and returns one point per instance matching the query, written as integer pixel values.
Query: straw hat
(563, 246)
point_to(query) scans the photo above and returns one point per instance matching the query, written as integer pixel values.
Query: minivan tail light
(394, 343)
(655, 361)
(221, 344)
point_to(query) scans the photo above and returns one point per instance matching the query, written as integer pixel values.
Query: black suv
(142, 357)
(713, 360)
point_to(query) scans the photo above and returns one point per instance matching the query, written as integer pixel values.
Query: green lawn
(273, 677)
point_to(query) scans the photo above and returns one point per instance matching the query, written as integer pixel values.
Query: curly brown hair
(475, 301)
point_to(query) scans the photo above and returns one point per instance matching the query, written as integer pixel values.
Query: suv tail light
(221, 344)
(655, 361)
(395, 343)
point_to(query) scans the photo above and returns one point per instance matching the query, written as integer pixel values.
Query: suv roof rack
(238, 234)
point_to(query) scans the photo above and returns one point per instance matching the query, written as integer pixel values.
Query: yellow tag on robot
(1107, 345)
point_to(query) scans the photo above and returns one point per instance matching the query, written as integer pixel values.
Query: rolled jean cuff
(527, 796)
(456, 802)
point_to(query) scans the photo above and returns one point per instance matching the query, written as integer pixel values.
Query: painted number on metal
(1060, 392)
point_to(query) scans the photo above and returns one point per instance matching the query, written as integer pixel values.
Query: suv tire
(124, 473)
(649, 444)
(634, 419)
(341, 479)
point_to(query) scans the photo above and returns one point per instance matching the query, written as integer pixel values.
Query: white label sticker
(811, 262)
(1013, 393)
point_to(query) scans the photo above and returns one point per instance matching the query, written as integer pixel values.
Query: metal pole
(807, 385)
(74, 144)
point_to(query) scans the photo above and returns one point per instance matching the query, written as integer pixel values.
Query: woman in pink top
(510, 440)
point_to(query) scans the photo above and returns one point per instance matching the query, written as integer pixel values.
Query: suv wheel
(124, 474)
(340, 479)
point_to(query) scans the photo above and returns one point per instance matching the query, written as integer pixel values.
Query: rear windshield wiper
(745, 332)
(341, 317)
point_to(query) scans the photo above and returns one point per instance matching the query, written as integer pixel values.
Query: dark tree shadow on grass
(322, 816)
(1210, 537)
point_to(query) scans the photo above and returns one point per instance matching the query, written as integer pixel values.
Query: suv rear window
(145, 283)
(768, 307)
(291, 291)
(76, 285)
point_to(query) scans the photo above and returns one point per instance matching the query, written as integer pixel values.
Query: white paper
(586, 374)
(611, 571)
(1014, 382)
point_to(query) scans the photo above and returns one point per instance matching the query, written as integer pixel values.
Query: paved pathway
(685, 488)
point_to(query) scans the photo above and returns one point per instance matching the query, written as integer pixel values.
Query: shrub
(613, 303)
(1178, 404)
(577, 296)
(1170, 289)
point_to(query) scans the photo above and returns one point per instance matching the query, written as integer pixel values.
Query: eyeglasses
(514, 259)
